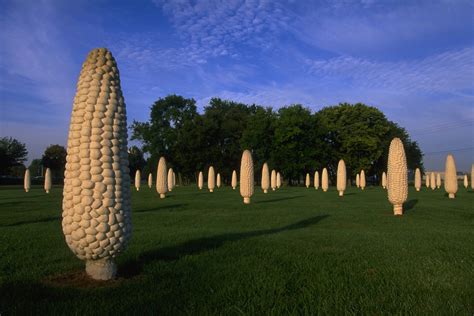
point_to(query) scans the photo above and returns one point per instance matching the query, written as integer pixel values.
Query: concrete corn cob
(362, 179)
(273, 180)
(438, 180)
(137, 180)
(397, 176)
(150, 180)
(417, 179)
(27, 180)
(427, 180)
(170, 179)
(466, 182)
(265, 178)
(161, 178)
(450, 177)
(357, 181)
(200, 180)
(316, 180)
(341, 177)
(211, 179)
(307, 181)
(246, 176)
(47, 180)
(433, 181)
(218, 181)
(278, 180)
(96, 197)
(234, 180)
(472, 176)
(325, 180)
(384, 180)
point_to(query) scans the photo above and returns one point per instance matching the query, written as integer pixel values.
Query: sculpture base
(341, 193)
(265, 191)
(104, 269)
(417, 190)
(162, 196)
(211, 190)
(233, 188)
(452, 195)
(325, 190)
(246, 200)
(398, 209)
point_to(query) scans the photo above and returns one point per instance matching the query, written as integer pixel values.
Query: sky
(413, 60)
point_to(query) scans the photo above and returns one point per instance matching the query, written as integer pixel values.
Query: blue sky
(414, 60)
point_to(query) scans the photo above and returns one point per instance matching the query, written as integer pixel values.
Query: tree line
(292, 139)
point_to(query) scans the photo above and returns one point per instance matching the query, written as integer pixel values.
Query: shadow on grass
(280, 199)
(408, 206)
(160, 208)
(134, 267)
(41, 220)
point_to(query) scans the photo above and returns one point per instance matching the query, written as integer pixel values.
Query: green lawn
(293, 251)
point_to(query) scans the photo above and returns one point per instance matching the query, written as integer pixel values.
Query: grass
(294, 251)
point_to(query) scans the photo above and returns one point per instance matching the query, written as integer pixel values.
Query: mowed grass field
(293, 251)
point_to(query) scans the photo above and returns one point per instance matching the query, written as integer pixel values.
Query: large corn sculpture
(316, 180)
(307, 182)
(137, 180)
(417, 179)
(47, 180)
(466, 182)
(472, 176)
(341, 177)
(357, 181)
(397, 176)
(150, 180)
(273, 180)
(438, 180)
(234, 180)
(96, 197)
(433, 181)
(362, 180)
(170, 179)
(218, 180)
(211, 179)
(161, 178)
(384, 180)
(450, 177)
(246, 176)
(265, 178)
(278, 180)
(325, 180)
(27, 180)
(427, 180)
(200, 180)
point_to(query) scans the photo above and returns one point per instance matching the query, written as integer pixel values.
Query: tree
(136, 161)
(12, 153)
(36, 168)
(54, 157)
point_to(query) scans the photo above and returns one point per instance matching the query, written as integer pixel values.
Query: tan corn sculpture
(273, 180)
(27, 180)
(316, 180)
(472, 176)
(47, 180)
(357, 181)
(211, 179)
(161, 178)
(150, 180)
(265, 178)
(450, 177)
(96, 198)
(234, 180)
(397, 176)
(362, 179)
(427, 180)
(417, 179)
(137, 180)
(433, 181)
(170, 179)
(384, 180)
(307, 181)
(200, 180)
(325, 180)
(246, 176)
(438, 180)
(218, 180)
(341, 177)
(278, 180)
(466, 182)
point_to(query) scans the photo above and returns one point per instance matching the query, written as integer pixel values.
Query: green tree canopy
(12, 154)
(54, 157)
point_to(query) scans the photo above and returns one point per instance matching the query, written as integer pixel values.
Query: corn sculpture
(47, 180)
(265, 178)
(211, 179)
(427, 180)
(150, 180)
(246, 176)
(397, 176)
(234, 180)
(433, 181)
(96, 198)
(200, 180)
(438, 180)
(325, 180)
(273, 180)
(316, 180)
(307, 182)
(27, 180)
(357, 181)
(341, 177)
(472, 176)
(218, 181)
(137, 180)
(170, 179)
(362, 180)
(450, 177)
(417, 179)
(384, 180)
(161, 178)
(278, 180)
(466, 182)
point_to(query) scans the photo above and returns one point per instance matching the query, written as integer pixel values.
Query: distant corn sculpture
(137, 180)
(27, 180)
(150, 180)
(278, 180)
(234, 180)
(273, 180)
(438, 180)
(246, 176)
(47, 180)
(362, 180)
(218, 180)
(357, 181)
(200, 180)
(265, 178)
(466, 182)
(170, 179)
(384, 180)
(397, 176)
(325, 180)
(427, 180)
(341, 177)
(450, 177)
(316, 180)
(211, 179)
(307, 181)
(417, 179)
(472, 176)
(432, 181)
(161, 178)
